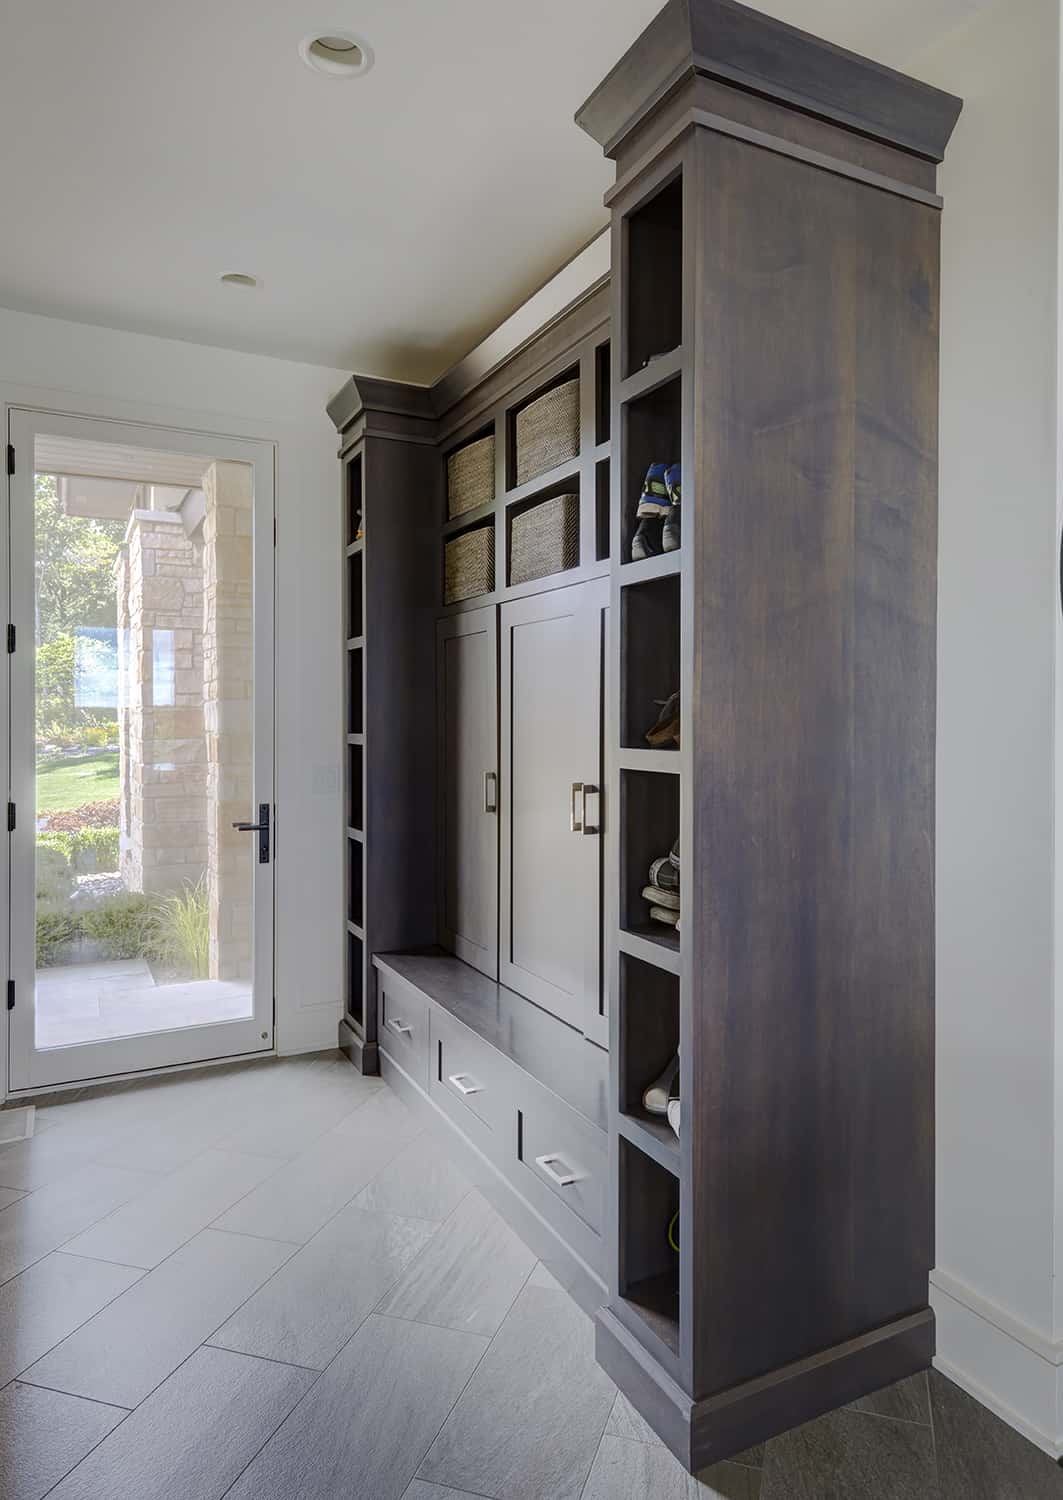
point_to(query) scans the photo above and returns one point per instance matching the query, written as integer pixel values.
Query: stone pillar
(228, 690)
(163, 757)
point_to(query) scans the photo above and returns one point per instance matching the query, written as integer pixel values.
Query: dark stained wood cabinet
(775, 304)
(771, 324)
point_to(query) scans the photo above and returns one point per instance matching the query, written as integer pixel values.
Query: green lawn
(68, 781)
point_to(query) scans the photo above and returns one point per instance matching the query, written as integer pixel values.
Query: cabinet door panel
(468, 756)
(552, 656)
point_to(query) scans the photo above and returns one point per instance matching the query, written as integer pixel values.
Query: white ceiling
(393, 219)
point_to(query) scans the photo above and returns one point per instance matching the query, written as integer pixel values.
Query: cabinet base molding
(703, 1432)
(362, 1054)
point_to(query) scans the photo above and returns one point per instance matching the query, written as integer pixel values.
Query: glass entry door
(141, 712)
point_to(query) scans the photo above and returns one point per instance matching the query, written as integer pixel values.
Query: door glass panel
(143, 639)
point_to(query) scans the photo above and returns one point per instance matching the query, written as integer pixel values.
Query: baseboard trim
(704, 1432)
(1000, 1361)
(363, 1055)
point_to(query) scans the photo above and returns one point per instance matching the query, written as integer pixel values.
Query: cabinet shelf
(652, 946)
(355, 548)
(561, 474)
(654, 1136)
(355, 642)
(468, 518)
(663, 762)
(664, 566)
(656, 1301)
(659, 372)
(356, 835)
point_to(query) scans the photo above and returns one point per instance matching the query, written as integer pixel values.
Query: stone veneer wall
(163, 763)
(228, 689)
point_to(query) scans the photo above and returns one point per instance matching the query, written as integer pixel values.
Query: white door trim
(26, 1068)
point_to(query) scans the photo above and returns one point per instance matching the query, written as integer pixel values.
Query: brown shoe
(667, 725)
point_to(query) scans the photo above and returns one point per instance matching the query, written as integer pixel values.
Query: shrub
(85, 849)
(55, 879)
(124, 926)
(54, 931)
(182, 929)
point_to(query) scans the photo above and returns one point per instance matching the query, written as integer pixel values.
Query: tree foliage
(74, 566)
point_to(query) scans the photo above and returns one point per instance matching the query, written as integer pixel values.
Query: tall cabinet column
(775, 304)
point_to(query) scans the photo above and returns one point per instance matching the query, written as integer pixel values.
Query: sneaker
(671, 532)
(673, 1113)
(655, 499)
(674, 856)
(658, 897)
(647, 539)
(667, 726)
(664, 874)
(663, 915)
(655, 1098)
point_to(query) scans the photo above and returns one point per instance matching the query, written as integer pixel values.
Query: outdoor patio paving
(91, 1002)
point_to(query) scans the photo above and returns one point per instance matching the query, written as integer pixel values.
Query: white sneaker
(655, 1099)
(673, 1114)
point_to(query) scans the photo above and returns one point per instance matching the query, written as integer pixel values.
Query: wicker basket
(469, 565)
(544, 539)
(547, 431)
(471, 476)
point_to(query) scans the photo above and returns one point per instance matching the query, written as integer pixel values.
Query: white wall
(95, 371)
(998, 617)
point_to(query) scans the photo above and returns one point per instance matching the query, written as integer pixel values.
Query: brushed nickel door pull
(465, 1084)
(490, 791)
(575, 817)
(565, 1178)
(398, 1027)
(591, 791)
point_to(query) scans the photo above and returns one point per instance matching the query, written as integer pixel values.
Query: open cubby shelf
(568, 452)
(355, 615)
(603, 376)
(354, 498)
(355, 701)
(654, 434)
(653, 302)
(649, 668)
(355, 997)
(355, 755)
(649, 826)
(355, 883)
(602, 500)
(649, 1267)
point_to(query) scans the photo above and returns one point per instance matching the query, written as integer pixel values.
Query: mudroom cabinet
(559, 898)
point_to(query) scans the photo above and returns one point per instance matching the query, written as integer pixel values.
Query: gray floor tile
(627, 1470)
(846, 1456)
(905, 1401)
(399, 1380)
(311, 1307)
(421, 1490)
(195, 1435)
(625, 1422)
(43, 1434)
(982, 1458)
(47, 1218)
(49, 1301)
(529, 1423)
(384, 1118)
(44, 1158)
(126, 1350)
(422, 1183)
(468, 1276)
(303, 1194)
(286, 1126)
(8, 1196)
(144, 1232)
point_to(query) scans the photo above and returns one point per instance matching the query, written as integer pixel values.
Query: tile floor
(268, 1282)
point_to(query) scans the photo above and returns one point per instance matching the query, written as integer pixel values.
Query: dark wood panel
(812, 714)
(743, 47)
(549, 1051)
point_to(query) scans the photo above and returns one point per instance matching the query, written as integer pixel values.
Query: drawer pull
(398, 1027)
(465, 1084)
(565, 1178)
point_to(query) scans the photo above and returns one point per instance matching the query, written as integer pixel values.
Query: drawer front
(467, 1076)
(564, 1155)
(403, 1033)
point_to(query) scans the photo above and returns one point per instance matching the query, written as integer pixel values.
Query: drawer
(564, 1155)
(468, 1077)
(403, 1034)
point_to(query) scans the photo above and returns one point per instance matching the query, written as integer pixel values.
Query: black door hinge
(10, 994)
(10, 639)
(10, 817)
(10, 458)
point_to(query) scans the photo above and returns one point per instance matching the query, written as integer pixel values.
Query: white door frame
(29, 1069)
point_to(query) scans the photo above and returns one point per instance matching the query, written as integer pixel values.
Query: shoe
(647, 539)
(655, 1098)
(664, 874)
(658, 897)
(667, 726)
(654, 504)
(663, 915)
(673, 1114)
(674, 856)
(671, 532)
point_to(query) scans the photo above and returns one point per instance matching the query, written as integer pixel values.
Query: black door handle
(262, 829)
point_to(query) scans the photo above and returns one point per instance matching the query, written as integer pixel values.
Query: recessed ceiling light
(336, 54)
(239, 278)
